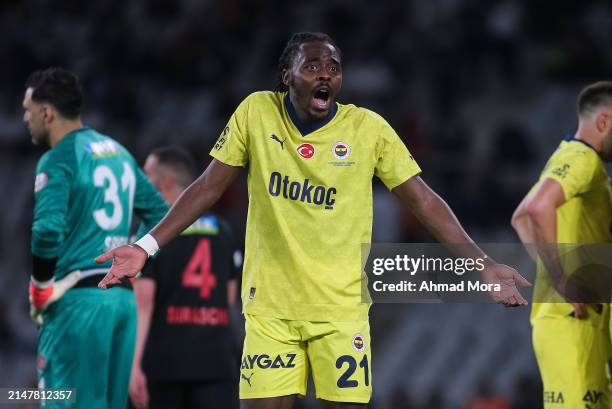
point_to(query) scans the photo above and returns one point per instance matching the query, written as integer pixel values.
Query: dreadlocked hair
(293, 47)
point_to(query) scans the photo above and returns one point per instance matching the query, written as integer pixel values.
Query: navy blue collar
(305, 129)
(570, 138)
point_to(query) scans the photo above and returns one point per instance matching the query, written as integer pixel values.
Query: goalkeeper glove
(43, 294)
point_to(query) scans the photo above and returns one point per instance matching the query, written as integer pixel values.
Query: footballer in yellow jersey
(572, 204)
(304, 230)
(310, 165)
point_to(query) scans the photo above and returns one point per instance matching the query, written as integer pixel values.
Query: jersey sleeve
(573, 169)
(394, 163)
(231, 147)
(148, 203)
(54, 176)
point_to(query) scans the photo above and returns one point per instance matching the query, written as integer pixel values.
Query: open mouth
(322, 98)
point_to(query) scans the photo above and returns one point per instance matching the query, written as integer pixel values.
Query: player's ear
(603, 122)
(286, 76)
(48, 113)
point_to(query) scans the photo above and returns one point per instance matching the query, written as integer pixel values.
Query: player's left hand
(43, 296)
(507, 278)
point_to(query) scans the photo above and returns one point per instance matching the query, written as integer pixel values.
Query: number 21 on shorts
(350, 379)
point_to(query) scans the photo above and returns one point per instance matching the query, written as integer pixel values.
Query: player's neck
(61, 129)
(588, 135)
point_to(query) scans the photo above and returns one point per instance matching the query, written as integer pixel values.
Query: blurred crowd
(480, 91)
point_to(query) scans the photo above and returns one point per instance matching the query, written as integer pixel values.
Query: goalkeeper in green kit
(86, 189)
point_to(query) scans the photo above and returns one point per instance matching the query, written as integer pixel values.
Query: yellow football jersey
(310, 203)
(584, 218)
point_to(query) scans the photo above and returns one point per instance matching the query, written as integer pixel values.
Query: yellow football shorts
(279, 354)
(572, 356)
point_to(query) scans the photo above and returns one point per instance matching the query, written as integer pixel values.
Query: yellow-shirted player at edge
(571, 205)
(310, 163)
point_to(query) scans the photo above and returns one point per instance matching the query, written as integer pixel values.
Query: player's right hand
(127, 262)
(507, 278)
(139, 394)
(581, 309)
(41, 298)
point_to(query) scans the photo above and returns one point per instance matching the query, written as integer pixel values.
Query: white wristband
(148, 244)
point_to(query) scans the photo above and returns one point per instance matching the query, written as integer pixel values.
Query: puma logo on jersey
(277, 139)
(302, 191)
(247, 379)
(264, 361)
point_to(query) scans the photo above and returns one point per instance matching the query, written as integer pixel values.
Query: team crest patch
(358, 342)
(40, 182)
(306, 150)
(341, 150)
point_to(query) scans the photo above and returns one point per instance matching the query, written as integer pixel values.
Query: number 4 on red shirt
(198, 273)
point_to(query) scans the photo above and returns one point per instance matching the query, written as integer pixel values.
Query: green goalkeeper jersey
(86, 190)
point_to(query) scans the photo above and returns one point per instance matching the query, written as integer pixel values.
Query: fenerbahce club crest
(341, 150)
(359, 342)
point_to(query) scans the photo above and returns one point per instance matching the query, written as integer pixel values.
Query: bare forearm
(524, 229)
(544, 228)
(144, 291)
(142, 333)
(232, 291)
(544, 225)
(440, 220)
(521, 223)
(437, 217)
(544, 221)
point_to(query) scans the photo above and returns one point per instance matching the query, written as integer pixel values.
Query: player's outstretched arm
(439, 219)
(193, 202)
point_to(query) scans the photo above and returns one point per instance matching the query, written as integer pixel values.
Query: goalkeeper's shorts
(279, 354)
(572, 356)
(87, 344)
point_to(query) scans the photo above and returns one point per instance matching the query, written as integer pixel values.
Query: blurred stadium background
(480, 91)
